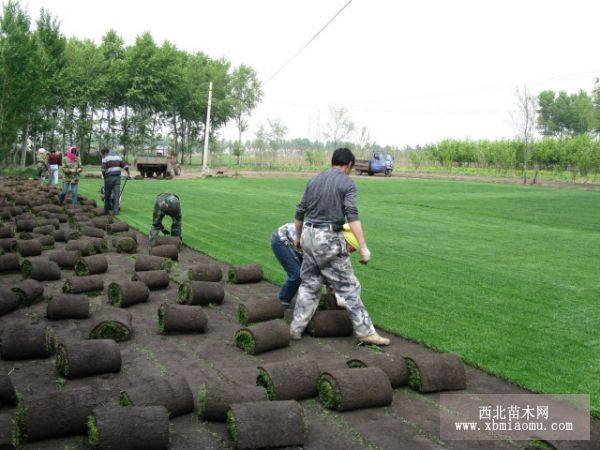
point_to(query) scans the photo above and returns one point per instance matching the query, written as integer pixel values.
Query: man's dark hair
(342, 156)
(104, 150)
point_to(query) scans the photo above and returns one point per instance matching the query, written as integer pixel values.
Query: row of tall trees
(57, 91)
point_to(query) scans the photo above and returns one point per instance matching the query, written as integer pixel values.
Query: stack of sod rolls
(252, 273)
(135, 427)
(266, 424)
(260, 311)
(173, 393)
(432, 372)
(294, 379)
(21, 341)
(181, 318)
(110, 323)
(263, 337)
(127, 293)
(348, 389)
(215, 397)
(79, 359)
(200, 293)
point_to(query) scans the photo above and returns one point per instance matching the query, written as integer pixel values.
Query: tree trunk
(24, 145)
(175, 149)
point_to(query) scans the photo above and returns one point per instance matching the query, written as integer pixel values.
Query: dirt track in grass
(411, 422)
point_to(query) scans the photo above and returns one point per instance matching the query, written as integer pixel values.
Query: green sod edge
(61, 361)
(263, 379)
(414, 377)
(231, 276)
(124, 399)
(26, 269)
(93, 431)
(81, 268)
(115, 294)
(542, 445)
(231, 427)
(50, 341)
(161, 318)
(19, 431)
(202, 400)
(329, 392)
(110, 330)
(167, 265)
(126, 245)
(356, 364)
(243, 315)
(184, 295)
(244, 339)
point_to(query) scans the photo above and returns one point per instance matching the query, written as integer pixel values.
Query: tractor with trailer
(160, 165)
(379, 163)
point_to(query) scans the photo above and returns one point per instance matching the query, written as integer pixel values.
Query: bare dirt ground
(411, 422)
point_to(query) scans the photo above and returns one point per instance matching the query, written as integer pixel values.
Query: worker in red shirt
(54, 163)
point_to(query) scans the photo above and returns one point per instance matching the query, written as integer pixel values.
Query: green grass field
(504, 275)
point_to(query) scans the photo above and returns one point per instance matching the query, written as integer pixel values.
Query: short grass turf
(504, 275)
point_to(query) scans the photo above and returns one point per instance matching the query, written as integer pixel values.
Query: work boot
(374, 339)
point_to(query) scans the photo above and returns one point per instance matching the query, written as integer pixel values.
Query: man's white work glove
(365, 255)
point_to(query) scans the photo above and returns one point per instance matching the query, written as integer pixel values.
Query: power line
(308, 43)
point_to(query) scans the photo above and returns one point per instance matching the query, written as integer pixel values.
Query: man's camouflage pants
(326, 260)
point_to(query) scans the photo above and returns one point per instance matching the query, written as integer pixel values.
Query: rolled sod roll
(435, 372)
(127, 293)
(246, 274)
(168, 240)
(266, 424)
(125, 245)
(29, 292)
(145, 263)
(173, 393)
(205, 272)
(260, 311)
(98, 212)
(47, 241)
(181, 318)
(8, 301)
(77, 359)
(166, 251)
(92, 232)
(25, 225)
(83, 246)
(330, 323)
(64, 258)
(216, 397)
(60, 413)
(200, 293)
(101, 245)
(102, 222)
(154, 279)
(46, 229)
(294, 379)
(8, 395)
(27, 248)
(136, 427)
(348, 389)
(9, 263)
(6, 232)
(40, 270)
(91, 265)
(72, 235)
(130, 234)
(395, 368)
(263, 337)
(118, 227)
(59, 235)
(8, 244)
(80, 285)
(7, 442)
(27, 342)
(68, 306)
(110, 323)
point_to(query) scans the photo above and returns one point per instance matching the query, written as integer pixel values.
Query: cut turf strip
(26, 342)
(266, 424)
(330, 323)
(205, 272)
(125, 245)
(154, 279)
(136, 427)
(8, 301)
(127, 293)
(216, 397)
(9, 263)
(433, 372)
(40, 270)
(83, 246)
(348, 389)
(260, 311)
(64, 258)
(27, 248)
(29, 292)
(80, 285)
(110, 323)
(252, 273)
(295, 379)
(57, 414)
(181, 318)
(173, 393)
(8, 395)
(118, 227)
(395, 367)
(91, 265)
(263, 337)
(166, 251)
(68, 306)
(200, 293)
(77, 359)
(144, 263)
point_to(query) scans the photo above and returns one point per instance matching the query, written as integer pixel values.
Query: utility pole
(205, 168)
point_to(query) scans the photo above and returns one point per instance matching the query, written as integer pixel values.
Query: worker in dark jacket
(328, 201)
(166, 204)
(112, 164)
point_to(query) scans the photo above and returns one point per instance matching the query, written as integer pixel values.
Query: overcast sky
(412, 72)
